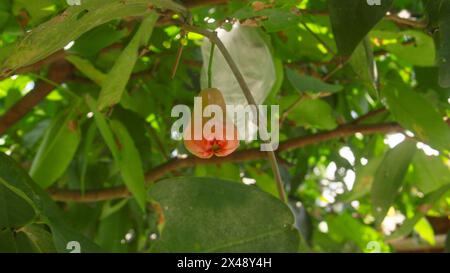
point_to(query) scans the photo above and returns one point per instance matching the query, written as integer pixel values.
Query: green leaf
(7, 242)
(363, 63)
(314, 113)
(228, 171)
(40, 238)
(305, 83)
(56, 33)
(351, 229)
(431, 172)
(57, 149)
(37, 10)
(425, 231)
(415, 47)
(117, 79)
(138, 101)
(409, 224)
(212, 215)
(406, 228)
(112, 230)
(130, 163)
(352, 20)
(87, 68)
(427, 124)
(17, 180)
(444, 47)
(14, 179)
(63, 235)
(87, 148)
(103, 127)
(15, 212)
(363, 181)
(24, 244)
(276, 19)
(263, 181)
(389, 177)
(92, 42)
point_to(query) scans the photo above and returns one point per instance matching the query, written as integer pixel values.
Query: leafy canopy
(86, 92)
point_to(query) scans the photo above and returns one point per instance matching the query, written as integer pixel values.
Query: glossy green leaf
(112, 231)
(431, 172)
(62, 233)
(389, 177)
(212, 215)
(427, 124)
(264, 181)
(15, 212)
(72, 23)
(415, 47)
(314, 113)
(425, 231)
(309, 84)
(351, 229)
(117, 79)
(15, 180)
(352, 20)
(130, 163)
(276, 19)
(137, 102)
(57, 149)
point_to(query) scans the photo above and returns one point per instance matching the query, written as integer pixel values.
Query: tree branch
(244, 155)
(59, 71)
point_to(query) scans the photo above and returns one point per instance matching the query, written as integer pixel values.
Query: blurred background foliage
(339, 64)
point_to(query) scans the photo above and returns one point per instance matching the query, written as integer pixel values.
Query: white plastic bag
(252, 55)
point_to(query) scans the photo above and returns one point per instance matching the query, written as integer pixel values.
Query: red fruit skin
(211, 145)
(200, 148)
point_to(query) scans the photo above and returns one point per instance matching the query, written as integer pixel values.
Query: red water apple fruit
(215, 142)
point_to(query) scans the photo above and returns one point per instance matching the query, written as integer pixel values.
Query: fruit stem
(211, 57)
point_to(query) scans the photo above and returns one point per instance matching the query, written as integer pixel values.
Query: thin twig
(407, 22)
(178, 57)
(211, 58)
(291, 107)
(340, 65)
(363, 118)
